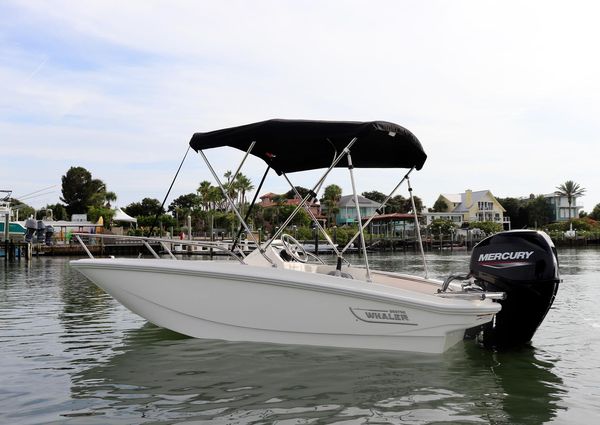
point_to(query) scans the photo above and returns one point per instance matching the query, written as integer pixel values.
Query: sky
(503, 95)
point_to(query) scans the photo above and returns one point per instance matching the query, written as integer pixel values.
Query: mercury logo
(497, 256)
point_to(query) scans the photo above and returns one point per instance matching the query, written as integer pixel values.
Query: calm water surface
(72, 355)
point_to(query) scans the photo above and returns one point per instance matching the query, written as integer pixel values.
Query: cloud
(503, 96)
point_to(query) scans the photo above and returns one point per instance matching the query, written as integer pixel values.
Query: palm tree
(215, 199)
(330, 200)
(243, 184)
(571, 190)
(230, 186)
(110, 197)
(204, 192)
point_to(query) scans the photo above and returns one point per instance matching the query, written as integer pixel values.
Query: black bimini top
(299, 145)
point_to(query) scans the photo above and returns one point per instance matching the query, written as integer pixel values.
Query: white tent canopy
(121, 215)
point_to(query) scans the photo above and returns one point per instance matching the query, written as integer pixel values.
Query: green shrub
(488, 227)
(439, 225)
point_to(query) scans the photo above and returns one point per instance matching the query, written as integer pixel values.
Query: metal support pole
(321, 229)
(167, 250)
(379, 210)
(239, 233)
(188, 223)
(417, 226)
(87, 251)
(241, 164)
(232, 205)
(147, 245)
(362, 235)
(319, 183)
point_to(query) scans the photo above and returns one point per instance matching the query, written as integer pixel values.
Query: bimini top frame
(299, 145)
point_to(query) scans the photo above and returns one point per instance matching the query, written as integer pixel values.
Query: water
(72, 355)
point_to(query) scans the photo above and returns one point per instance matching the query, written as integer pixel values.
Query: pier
(102, 247)
(14, 249)
(11, 250)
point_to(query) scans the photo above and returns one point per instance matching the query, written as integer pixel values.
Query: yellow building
(470, 206)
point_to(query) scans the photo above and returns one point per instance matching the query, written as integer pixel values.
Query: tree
(534, 211)
(440, 206)
(397, 204)
(95, 212)
(59, 212)
(185, 202)
(230, 186)
(210, 197)
(23, 209)
(148, 207)
(512, 208)
(331, 198)
(216, 198)
(80, 191)
(595, 214)
(374, 195)
(300, 219)
(408, 205)
(204, 191)
(539, 211)
(242, 185)
(109, 197)
(570, 190)
(165, 219)
(301, 190)
(402, 205)
(580, 224)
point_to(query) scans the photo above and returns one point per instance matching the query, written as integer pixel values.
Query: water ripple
(72, 355)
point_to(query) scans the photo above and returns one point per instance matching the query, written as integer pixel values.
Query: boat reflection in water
(161, 375)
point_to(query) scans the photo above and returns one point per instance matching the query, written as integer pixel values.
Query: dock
(126, 247)
(11, 250)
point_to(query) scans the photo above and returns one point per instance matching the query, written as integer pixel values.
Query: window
(485, 206)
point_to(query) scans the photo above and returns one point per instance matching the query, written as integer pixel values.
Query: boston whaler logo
(398, 317)
(505, 259)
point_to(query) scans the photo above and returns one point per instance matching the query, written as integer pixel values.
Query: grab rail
(473, 295)
(162, 241)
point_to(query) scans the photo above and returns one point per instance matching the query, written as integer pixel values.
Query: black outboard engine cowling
(524, 265)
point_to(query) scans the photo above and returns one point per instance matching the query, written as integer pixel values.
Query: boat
(281, 293)
(15, 229)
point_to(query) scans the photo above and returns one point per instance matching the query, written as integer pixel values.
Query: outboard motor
(49, 234)
(40, 232)
(31, 226)
(524, 265)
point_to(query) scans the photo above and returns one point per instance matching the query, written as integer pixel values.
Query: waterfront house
(347, 213)
(470, 206)
(273, 200)
(270, 200)
(560, 206)
(395, 225)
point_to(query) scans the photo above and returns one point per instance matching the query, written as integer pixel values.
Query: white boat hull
(236, 302)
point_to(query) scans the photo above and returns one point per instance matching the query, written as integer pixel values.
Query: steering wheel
(294, 248)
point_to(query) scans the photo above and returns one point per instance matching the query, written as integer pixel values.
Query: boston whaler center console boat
(280, 293)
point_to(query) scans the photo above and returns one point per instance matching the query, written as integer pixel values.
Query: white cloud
(503, 95)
